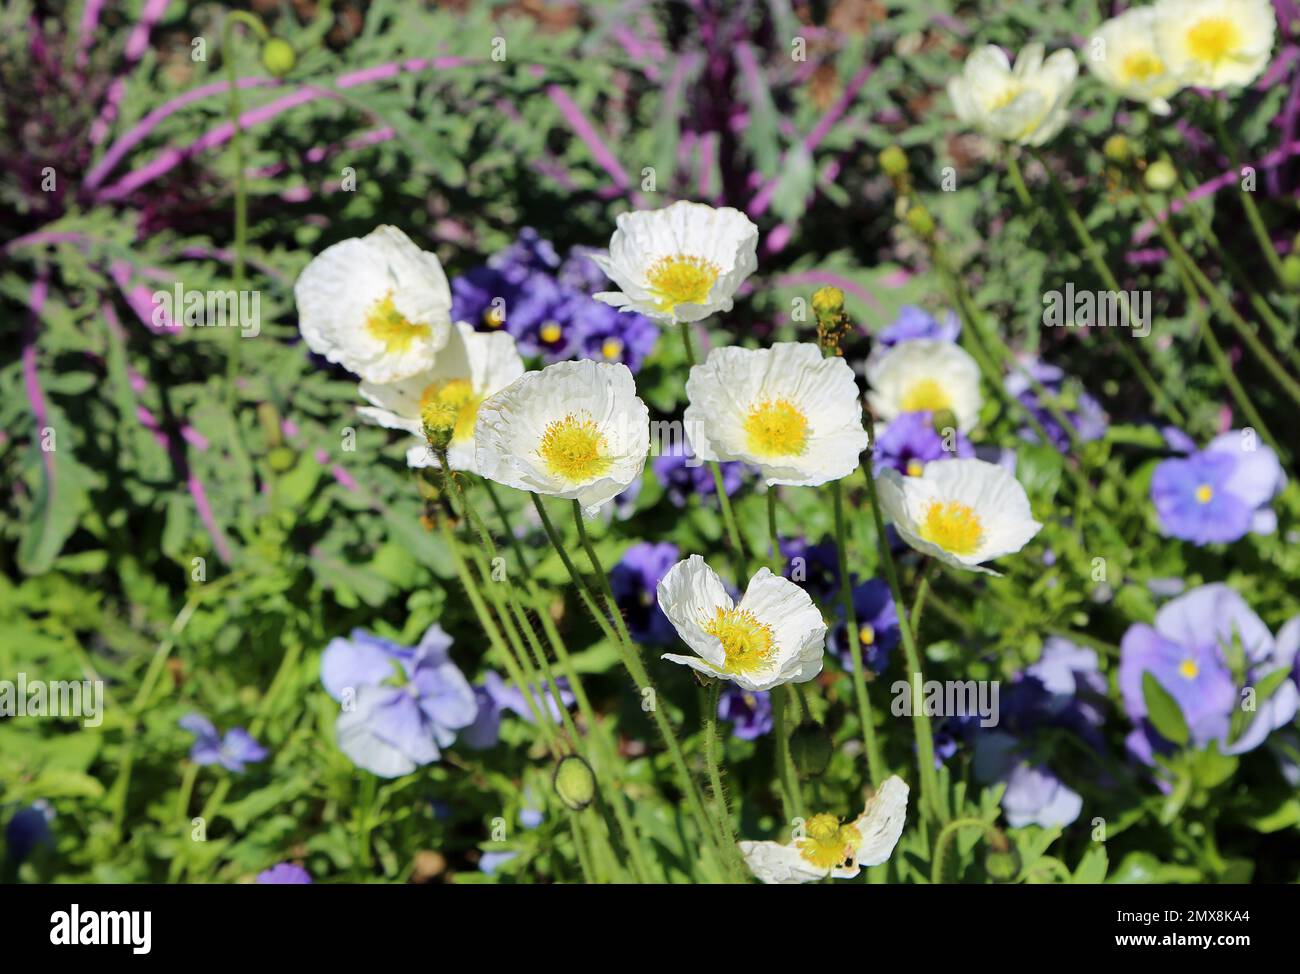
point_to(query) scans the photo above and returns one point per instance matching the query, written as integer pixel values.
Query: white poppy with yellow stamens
(963, 512)
(681, 263)
(774, 635)
(1123, 55)
(788, 410)
(574, 430)
(1215, 43)
(925, 376)
(832, 848)
(378, 305)
(473, 366)
(1027, 104)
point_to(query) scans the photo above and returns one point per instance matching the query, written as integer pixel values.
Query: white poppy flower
(1027, 105)
(473, 366)
(788, 410)
(574, 430)
(681, 263)
(378, 305)
(1123, 55)
(1215, 43)
(774, 635)
(926, 376)
(962, 512)
(829, 848)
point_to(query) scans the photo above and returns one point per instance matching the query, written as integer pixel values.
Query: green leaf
(1163, 711)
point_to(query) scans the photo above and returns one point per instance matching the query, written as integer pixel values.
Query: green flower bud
(893, 161)
(278, 57)
(574, 782)
(1002, 865)
(810, 749)
(1161, 176)
(943, 420)
(921, 222)
(1119, 150)
(281, 459)
(1291, 271)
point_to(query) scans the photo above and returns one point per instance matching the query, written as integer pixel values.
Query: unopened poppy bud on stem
(1291, 272)
(278, 56)
(1161, 176)
(1119, 150)
(574, 782)
(920, 220)
(893, 161)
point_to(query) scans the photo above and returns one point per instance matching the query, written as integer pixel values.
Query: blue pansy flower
(1086, 415)
(878, 631)
(915, 323)
(284, 874)
(1219, 494)
(750, 711)
(606, 334)
(634, 581)
(910, 441)
(401, 705)
(232, 752)
(682, 480)
(28, 828)
(495, 697)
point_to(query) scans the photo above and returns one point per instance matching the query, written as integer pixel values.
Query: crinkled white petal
(733, 381)
(723, 236)
(925, 363)
(776, 864)
(1027, 104)
(689, 593)
(341, 287)
(489, 361)
(881, 822)
(995, 496)
(511, 425)
(1251, 27)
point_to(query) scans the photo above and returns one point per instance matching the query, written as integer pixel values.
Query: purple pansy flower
(232, 752)
(284, 874)
(815, 567)
(750, 711)
(495, 697)
(482, 297)
(1189, 652)
(401, 705)
(878, 632)
(543, 320)
(1086, 414)
(1034, 795)
(28, 828)
(913, 323)
(609, 335)
(682, 481)
(1219, 494)
(528, 255)
(634, 581)
(580, 272)
(910, 441)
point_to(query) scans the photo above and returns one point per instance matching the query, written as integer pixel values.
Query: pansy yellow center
(550, 332)
(925, 395)
(494, 316)
(611, 349)
(867, 634)
(681, 280)
(574, 448)
(747, 644)
(1204, 494)
(450, 405)
(776, 428)
(953, 526)
(915, 467)
(385, 323)
(1141, 66)
(1188, 669)
(828, 844)
(1213, 39)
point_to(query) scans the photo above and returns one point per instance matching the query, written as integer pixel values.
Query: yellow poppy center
(1005, 97)
(925, 395)
(867, 634)
(747, 644)
(385, 323)
(451, 405)
(1141, 66)
(776, 428)
(953, 526)
(611, 349)
(681, 280)
(574, 448)
(828, 844)
(915, 467)
(1204, 494)
(1213, 39)
(1188, 669)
